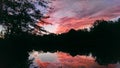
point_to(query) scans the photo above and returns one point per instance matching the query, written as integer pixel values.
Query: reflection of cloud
(82, 12)
(64, 60)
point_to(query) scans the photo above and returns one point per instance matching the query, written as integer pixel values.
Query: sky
(79, 14)
(58, 59)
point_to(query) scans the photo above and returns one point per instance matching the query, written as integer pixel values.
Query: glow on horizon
(50, 28)
(76, 14)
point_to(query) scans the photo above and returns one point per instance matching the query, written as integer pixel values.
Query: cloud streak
(78, 14)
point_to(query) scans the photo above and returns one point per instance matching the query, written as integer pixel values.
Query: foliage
(22, 15)
(103, 41)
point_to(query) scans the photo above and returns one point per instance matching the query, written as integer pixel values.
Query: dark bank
(103, 41)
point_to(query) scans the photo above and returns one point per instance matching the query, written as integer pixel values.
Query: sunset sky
(37, 34)
(79, 14)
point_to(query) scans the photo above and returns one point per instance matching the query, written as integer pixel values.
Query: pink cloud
(65, 60)
(78, 14)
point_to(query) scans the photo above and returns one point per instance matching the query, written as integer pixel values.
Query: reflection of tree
(18, 16)
(22, 15)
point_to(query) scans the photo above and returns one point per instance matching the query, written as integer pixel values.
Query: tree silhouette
(22, 15)
(103, 41)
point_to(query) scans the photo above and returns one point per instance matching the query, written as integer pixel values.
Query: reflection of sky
(65, 60)
(78, 14)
